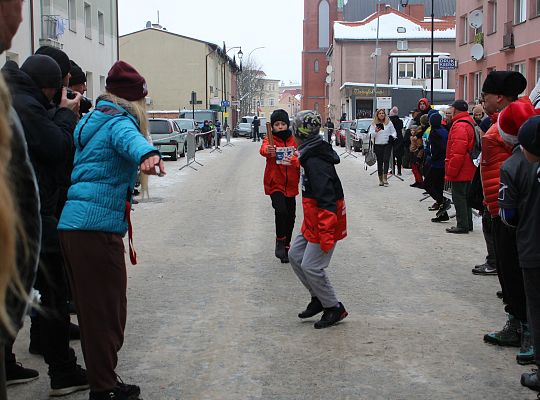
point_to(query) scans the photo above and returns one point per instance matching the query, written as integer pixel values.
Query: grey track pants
(309, 263)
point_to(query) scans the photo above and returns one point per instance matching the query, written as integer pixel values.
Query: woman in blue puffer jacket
(110, 145)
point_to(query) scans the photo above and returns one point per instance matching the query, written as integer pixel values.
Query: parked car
(167, 137)
(340, 136)
(357, 129)
(243, 129)
(190, 125)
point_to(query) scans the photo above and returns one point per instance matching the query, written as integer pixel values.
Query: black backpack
(474, 153)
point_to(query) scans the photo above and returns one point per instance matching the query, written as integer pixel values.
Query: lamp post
(224, 93)
(376, 55)
(405, 3)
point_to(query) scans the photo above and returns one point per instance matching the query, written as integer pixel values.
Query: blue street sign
(447, 63)
(225, 103)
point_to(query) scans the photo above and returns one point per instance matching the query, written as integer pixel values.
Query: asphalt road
(212, 313)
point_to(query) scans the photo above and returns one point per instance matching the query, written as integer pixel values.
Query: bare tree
(250, 86)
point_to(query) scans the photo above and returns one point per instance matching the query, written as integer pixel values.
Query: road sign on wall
(447, 63)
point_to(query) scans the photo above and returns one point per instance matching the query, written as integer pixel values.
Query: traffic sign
(225, 103)
(447, 63)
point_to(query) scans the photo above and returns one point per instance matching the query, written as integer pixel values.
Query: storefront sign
(368, 92)
(384, 103)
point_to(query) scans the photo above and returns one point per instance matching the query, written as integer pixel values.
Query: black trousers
(508, 270)
(463, 211)
(531, 280)
(382, 152)
(434, 184)
(487, 224)
(285, 213)
(54, 321)
(398, 160)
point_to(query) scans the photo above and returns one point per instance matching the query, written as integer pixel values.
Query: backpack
(476, 150)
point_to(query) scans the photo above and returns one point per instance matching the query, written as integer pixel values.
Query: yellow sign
(226, 114)
(367, 92)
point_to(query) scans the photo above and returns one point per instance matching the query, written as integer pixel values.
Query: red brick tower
(319, 18)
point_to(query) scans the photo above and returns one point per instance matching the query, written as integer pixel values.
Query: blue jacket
(109, 148)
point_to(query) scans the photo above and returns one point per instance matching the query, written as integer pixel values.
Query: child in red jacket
(324, 220)
(281, 177)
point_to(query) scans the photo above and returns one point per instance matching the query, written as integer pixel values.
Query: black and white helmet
(306, 123)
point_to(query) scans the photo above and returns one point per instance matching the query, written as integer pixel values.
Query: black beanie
(529, 135)
(280, 115)
(44, 71)
(59, 56)
(505, 83)
(77, 74)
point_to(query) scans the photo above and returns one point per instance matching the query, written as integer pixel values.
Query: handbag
(370, 158)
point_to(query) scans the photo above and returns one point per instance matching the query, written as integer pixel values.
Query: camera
(85, 104)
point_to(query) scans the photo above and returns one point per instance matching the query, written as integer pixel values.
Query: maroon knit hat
(125, 82)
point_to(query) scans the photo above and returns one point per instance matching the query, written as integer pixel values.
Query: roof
(388, 25)
(356, 10)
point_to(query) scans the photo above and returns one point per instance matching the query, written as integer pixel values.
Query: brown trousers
(96, 269)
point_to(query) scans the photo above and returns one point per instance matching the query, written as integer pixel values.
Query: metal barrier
(228, 134)
(348, 145)
(191, 151)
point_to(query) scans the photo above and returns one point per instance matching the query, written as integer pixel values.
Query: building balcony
(52, 28)
(508, 37)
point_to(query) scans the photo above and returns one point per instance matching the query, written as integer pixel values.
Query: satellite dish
(329, 69)
(475, 19)
(329, 79)
(477, 52)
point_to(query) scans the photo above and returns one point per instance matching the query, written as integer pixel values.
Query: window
(261, 103)
(72, 15)
(465, 32)
(537, 11)
(465, 87)
(12, 57)
(88, 20)
(89, 85)
(324, 24)
(492, 17)
(520, 67)
(272, 103)
(406, 70)
(436, 71)
(101, 27)
(520, 11)
(316, 106)
(477, 86)
(537, 69)
(316, 66)
(402, 45)
(101, 83)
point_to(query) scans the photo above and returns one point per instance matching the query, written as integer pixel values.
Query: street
(212, 314)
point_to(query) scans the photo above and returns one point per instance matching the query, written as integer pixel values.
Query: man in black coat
(329, 129)
(256, 126)
(398, 148)
(49, 140)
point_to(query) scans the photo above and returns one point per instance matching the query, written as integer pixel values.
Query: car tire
(174, 156)
(184, 152)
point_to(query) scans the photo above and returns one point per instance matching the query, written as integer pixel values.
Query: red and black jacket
(325, 220)
(279, 177)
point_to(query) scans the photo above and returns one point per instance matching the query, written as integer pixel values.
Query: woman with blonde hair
(110, 144)
(382, 133)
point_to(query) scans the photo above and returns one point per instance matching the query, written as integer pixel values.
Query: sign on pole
(446, 63)
(384, 103)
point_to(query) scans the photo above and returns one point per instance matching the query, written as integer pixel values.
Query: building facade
(175, 66)
(87, 30)
(402, 61)
(290, 99)
(267, 99)
(496, 35)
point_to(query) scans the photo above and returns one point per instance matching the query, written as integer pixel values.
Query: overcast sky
(274, 24)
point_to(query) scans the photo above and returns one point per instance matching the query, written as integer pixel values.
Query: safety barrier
(191, 140)
(228, 134)
(348, 145)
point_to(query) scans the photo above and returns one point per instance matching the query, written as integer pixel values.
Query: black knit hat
(460, 105)
(280, 115)
(59, 56)
(44, 71)
(529, 135)
(505, 83)
(77, 74)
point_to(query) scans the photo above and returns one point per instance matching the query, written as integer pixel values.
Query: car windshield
(345, 125)
(244, 125)
(363, 125)
(185, 123)
(159, 126)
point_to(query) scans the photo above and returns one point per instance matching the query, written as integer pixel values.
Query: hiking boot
(484, 269)
(444, 207)
(531, 380)
(441, 218)
(285, 260)
(280, 252)
(313, 308)
(67, 383)
(16, 373)
(434, 207)
(381, 182)
(508, 336)
(331, 316)
(526, 352)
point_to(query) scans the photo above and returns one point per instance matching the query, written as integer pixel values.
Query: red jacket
(458, 164)
(494, 152)
(279, 177)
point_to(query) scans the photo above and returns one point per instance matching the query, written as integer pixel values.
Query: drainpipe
(32, 30)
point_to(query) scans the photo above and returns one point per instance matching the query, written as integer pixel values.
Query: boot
(442, 218)
(531, 380)
(280, 252)
(526, 352)
(285, 260)
(385, 179)
(313, 308)
(331, 316)
(508, 336)
(381, 182)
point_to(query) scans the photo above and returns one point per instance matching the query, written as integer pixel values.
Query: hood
(425, 100)
(106, 110)
(317, 147)
(21, 84)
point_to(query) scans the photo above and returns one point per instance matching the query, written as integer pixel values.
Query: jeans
(382, 151)
(463, 211)
(487, 224)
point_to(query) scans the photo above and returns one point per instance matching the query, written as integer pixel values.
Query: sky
(275, 25)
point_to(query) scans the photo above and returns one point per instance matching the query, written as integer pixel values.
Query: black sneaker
(280, 251)
(484, 269)
(114, 394)
(67, 383)
(313, 308)
(444, 207)
(530, 380)
(441, 218)
(131, 391)
(331, 316)
(16, 373)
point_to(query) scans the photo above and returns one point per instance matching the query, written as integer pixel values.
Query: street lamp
(376, 55)
(405, 3)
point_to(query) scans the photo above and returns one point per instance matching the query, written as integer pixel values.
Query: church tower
(319, 18)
